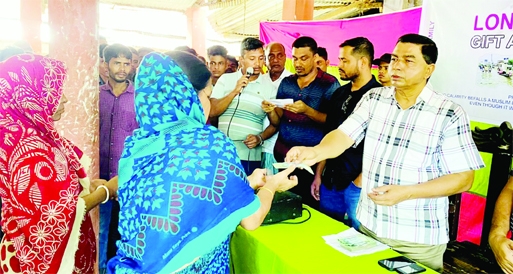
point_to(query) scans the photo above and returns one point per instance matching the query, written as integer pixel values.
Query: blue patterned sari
(182, 189)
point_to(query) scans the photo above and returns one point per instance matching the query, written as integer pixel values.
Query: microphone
(249, 72)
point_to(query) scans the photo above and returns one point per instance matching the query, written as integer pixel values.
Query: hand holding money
(287, 165)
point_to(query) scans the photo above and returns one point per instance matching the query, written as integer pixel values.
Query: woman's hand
(112, 185)
(281, 181)
(95, 184)
(257, 178)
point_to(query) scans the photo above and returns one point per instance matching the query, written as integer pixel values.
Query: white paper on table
(281, 102)
(332, 240)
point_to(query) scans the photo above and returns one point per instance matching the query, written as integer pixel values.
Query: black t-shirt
(342, 170)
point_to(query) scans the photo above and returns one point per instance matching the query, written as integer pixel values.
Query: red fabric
(39, 169)
(471, 221)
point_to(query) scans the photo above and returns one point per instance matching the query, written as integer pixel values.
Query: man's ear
(429, 70)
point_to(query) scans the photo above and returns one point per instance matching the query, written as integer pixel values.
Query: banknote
(286, 165)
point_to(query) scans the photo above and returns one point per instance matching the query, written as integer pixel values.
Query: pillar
(74, 40)
(196, 25)
(296, 10)
(30, 18)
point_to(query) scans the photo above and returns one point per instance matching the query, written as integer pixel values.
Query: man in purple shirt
(117, 121)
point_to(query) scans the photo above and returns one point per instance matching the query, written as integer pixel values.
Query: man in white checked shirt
(418, 150)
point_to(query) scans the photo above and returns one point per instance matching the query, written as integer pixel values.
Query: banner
(475, 61)
(382, 30)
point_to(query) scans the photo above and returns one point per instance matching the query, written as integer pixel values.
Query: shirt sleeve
(331, 90)
(458, 152)
(280, 92)
(355, 126)
(220, 89)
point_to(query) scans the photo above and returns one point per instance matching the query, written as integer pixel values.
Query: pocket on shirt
(127, 121)
(423, 143)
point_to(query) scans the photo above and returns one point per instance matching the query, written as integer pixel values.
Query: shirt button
(300, 95)
(111, 158)
(290, 121)
(111, 144)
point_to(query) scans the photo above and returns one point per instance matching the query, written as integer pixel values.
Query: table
(299, 248)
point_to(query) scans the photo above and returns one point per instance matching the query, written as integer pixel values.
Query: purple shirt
(117, 121)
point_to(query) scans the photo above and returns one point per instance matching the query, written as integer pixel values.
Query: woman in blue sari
(182, 189)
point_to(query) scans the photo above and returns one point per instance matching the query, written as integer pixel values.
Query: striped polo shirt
(244, 115)
(410, 146)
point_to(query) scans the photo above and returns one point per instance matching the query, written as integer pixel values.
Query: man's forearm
(219, 106)
(317, 116)
(502, 212)
(444, 186)
(268, 132)
(332, 145)
(320, 169)
(274, 117)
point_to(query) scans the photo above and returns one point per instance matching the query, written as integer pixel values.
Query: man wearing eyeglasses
(337, 183)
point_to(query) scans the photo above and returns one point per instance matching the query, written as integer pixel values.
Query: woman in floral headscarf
(44, 188)
(182, 189)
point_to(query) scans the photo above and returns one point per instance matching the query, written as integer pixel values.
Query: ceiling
(239, 18)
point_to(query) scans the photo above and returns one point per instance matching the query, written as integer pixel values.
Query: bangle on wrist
(270, 191)
(106, 190)
(261, 139)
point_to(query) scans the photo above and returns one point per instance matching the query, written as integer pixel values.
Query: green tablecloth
(299, 248)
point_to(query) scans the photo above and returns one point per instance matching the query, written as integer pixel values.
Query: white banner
(475, 61)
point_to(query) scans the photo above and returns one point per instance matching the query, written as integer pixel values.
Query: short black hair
(102, 48)
(322, 53)
(250, 43)
(187, 49)
(427, 46)
(115, 51)
(217, 50)
(361, 46)
(193, 67)
(305, 42)
(232, 59)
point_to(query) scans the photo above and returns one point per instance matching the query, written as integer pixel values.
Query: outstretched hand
(389, 195)
(302, 155)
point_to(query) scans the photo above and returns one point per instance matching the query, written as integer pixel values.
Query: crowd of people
(183, 136)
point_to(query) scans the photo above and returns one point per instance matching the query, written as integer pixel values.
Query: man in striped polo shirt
(236, 100)
(418, 150)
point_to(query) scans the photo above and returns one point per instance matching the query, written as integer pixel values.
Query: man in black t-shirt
(335, 183)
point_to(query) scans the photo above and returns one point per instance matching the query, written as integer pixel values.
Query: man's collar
(129, 87)
(424, 95)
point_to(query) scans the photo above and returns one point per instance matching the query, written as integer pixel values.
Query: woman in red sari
(43, 185)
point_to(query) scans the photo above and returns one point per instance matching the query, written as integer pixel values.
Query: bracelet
(261, 139)
(270, 191)
(106, 190)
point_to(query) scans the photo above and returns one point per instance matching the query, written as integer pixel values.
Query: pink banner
(382, 30)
